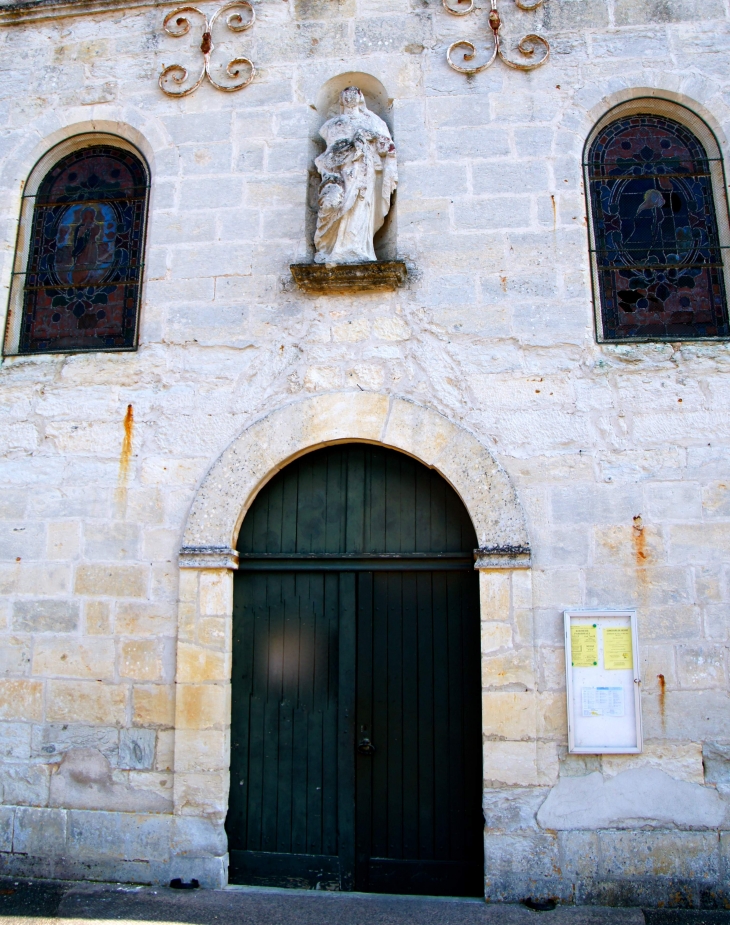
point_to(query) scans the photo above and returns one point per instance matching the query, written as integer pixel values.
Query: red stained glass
(84, 267)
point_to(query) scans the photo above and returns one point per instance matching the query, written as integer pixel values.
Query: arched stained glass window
(658, 252)
(78, 285)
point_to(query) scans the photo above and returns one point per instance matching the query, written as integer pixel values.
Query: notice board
(603, 683)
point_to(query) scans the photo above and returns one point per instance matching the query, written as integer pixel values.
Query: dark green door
(356, 721)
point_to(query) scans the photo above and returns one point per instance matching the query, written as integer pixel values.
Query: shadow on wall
(328, 105)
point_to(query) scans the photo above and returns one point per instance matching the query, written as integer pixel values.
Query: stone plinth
(349, 277)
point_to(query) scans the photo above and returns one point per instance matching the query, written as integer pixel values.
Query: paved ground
(25, 902)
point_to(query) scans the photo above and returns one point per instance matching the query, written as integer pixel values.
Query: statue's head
(351, 98)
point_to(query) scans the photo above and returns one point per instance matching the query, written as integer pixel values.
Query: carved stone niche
(341, 257)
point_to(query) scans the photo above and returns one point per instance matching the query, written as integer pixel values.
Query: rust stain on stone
(125, 457)
(662, 700)
(126, 443)
(641, 560)
(640, 553)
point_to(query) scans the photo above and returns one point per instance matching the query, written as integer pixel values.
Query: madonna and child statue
(359, 174)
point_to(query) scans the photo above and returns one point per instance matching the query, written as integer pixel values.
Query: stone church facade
(594, 468)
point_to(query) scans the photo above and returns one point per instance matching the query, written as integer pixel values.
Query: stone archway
(208, 557)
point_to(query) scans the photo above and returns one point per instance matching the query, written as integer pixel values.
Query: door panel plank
(363, 728)
(441, 782)
(271, 779)
(393, 656)
(300, 782)
(425, 655)
(410, 776)
(285, 772)
(256, 767)
(345, 767)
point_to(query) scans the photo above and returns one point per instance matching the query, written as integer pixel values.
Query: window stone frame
(682, 113)
(15, 306)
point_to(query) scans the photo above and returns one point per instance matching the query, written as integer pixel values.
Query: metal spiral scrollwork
(241, 71)
(528, 45)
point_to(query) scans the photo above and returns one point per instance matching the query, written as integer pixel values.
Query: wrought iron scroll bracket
(529, 45)
(241, 71)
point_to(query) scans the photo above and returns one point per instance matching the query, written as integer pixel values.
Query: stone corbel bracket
(208, 557)
(493, 557)
(318, 278)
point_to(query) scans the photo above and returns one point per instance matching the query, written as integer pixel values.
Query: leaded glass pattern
(658, 259)
(82, 279)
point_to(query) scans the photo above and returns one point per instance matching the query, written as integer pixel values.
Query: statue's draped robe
(359, 174)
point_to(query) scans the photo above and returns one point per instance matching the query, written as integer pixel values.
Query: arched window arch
(658, 225)
(78, 268)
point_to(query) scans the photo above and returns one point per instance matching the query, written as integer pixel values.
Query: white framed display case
(603, 682)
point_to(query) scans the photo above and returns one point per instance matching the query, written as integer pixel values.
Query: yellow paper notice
(584, 646)
(617, 648)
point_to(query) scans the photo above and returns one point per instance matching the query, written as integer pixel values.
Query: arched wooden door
(356, 759)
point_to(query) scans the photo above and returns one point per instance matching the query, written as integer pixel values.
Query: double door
(356, 723)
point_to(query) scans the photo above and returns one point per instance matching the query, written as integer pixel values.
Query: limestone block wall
(115, 662)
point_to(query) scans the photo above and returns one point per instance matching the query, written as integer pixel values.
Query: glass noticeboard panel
(603, 683)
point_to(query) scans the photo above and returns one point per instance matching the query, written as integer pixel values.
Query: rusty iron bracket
(527, 45)
(178, 24)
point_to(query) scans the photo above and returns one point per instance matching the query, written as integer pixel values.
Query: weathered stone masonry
(610, 462)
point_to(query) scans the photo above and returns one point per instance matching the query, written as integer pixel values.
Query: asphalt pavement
(24, 902)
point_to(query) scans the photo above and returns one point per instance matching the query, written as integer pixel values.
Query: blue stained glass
(659, 263)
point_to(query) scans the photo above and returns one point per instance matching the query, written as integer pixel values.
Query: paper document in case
(602, 701)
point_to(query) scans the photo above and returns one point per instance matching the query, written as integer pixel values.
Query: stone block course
(15, 740)
(125, 836)
(153, 704)
(140, 660)
(7, 816)
(45, 616)
(637, 854)
(39, 831)
(66, 657)
(51, 740)
(136, 748)
(111, 580)
(15, 656)
(25, 784)
(94, 701)
(21, 700)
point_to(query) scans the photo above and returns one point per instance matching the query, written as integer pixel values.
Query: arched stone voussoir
(266, 446)
(477, 477)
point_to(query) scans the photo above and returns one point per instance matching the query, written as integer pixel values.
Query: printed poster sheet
(584, 646)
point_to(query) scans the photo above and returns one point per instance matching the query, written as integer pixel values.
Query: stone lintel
(208, 557)
(490, 557)
(349, 277)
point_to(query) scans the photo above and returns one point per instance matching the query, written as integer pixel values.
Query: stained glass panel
(84, 266)
(658, 256)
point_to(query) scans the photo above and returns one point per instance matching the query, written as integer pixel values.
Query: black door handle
(365, 747)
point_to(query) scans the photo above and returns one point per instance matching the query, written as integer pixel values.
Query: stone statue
(359, 173)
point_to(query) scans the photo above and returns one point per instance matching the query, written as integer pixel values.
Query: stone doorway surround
(208, 559)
